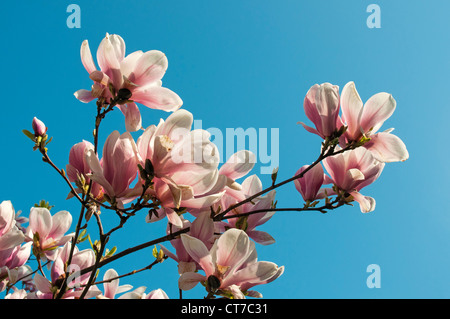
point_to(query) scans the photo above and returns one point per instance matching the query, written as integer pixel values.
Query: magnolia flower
(12, 264)
(311, 182)
(10, 234)
(111, 287)
(78, 169)
(74, 281)
(353, 170)
(250, 186)
(184, 164)
(117, 169)
(365, 121)
(47, 232)
(230, 266)
(321, 106)
(201, 228)
(137, 77)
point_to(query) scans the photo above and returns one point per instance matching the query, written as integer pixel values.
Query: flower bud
(39, 127)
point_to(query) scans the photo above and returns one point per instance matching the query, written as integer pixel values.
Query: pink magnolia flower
(138, 74)
(78, 167)
(230, 266)
(365, 121)
(353, 170)
(184, 164)
(309, 185)
(47, 232)
(201, 228)
(111, 288)
(117, 169)
(321, 106)
(250, 186)
(80, 260)
(12, 264)
(10, 235)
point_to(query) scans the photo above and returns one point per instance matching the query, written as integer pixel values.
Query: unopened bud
(39, 127)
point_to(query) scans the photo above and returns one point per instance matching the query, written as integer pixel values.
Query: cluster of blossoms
(355, 129)
(174, 174)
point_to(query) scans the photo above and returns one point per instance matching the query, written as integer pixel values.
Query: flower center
(167, 142)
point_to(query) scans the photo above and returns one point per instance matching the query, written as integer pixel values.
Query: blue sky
(249, 64)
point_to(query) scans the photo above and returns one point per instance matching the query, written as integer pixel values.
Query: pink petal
(310, 129)
(352, 106)
(97, 172)
(11, 239)
(150, 67)
(376, 110)
(110, 287)
(40, 221)
(366, 203)
(189, 280)
(387, 147)
(86, 57)
(261, 237)
(156, 97)
(129, 62)
(309, 106)
(61, 223)
(238, 165)
(84, 96)
(309, 185)
(199, 252)
(133, 119)
(177, 125)
(232, 248)
(258, 273)
(173, 217)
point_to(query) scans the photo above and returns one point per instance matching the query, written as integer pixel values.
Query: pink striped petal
(156, 97)
(86, 57)
(352, 106)
(376, 110)
(386, 147)
(199, 252)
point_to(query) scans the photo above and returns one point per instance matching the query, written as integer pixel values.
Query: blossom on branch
(48, 232)
(321, 106)
(185, 164)
(351, 171)
(364, 120)
(117, 169)
(230, 266)
(136, 76)
(310, 183)
(78, 169)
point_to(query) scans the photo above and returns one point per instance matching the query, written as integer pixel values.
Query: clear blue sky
(249, 64)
